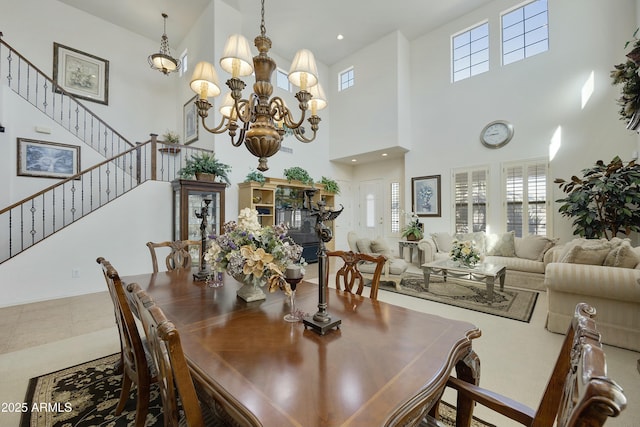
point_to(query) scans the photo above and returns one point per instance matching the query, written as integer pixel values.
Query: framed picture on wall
(425, 195)
(83, 75)
(46, 159)
(190, 121)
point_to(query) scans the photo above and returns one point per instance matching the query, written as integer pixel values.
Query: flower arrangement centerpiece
(464, 252)
(253, 254)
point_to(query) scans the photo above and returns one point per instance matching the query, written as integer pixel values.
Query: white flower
(248, 221)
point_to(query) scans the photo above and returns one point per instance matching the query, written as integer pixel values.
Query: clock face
(496, 134)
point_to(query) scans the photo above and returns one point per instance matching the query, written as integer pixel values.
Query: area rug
(87, 394)
(512, 303)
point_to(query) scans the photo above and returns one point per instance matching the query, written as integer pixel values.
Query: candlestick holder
(203, 274)
(321, 322)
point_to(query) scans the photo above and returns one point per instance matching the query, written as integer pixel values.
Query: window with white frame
(525, 31)
(470, 196)
(470, 52)
(346, 79)
(184, 63)
(395, 207)
(525, 186)
(282, 80)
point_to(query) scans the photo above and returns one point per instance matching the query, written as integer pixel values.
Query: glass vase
(293, 315)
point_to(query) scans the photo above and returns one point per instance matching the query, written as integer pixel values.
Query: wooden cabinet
(188, 196)
(260, 197)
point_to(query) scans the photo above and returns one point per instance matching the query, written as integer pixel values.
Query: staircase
(126, 165)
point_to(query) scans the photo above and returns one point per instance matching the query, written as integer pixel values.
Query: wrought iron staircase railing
(31, 220)
(29, 82)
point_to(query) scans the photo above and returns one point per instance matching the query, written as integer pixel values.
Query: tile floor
(516, 357)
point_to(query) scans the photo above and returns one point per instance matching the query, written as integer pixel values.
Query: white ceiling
(291, 24)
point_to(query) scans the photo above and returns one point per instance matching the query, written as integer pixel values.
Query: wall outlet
(75, 273)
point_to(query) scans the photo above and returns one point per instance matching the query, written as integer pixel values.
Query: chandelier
(163, 61)
(263, 120)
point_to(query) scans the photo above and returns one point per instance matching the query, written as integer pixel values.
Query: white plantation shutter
(470, 195)
(526, 198)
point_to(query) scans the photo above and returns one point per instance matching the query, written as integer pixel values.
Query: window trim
(507, 11)
(451, 49)
(352, 80)
(470, 170)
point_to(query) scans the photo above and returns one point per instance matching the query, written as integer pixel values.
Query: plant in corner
(626, 74)
(296, 173)
(206, 163)
(330, 186)
(605, 201)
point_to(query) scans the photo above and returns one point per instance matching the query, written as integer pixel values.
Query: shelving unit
(260, 197)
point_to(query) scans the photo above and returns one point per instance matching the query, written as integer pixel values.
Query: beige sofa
(525, 258)
(394, 266)
(614, 291)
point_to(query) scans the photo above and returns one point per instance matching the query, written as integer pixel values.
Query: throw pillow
(500, 244)
(593, 254)
(533, 247)
(380, 246)
(442, 241)
(352, 239)
(477, 238)
(364, 245)
(622, 256)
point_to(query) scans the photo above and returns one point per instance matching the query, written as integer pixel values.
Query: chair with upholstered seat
(133, 360)
(350, 278)
(579, 393)
(179, 254)
(179, 399)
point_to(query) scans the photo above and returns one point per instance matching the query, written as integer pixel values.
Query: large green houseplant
(205, 163)
(296, 173)
(605, 201)
(626, 74)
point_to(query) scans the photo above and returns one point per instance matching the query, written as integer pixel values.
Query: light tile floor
(516, 357)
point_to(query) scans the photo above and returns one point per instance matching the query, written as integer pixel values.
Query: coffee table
(485, 272)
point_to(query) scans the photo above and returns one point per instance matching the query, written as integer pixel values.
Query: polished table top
(383, 365)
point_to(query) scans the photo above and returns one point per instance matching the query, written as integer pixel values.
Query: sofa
(525, 258)
(604, 274)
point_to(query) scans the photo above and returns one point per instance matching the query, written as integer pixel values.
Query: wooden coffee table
(485, 272)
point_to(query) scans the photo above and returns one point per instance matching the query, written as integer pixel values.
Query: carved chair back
(173, 372)
(179, 255)
(132, 355)
(348, 277)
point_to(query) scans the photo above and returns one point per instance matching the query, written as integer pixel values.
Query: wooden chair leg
(142, 405)
(124, 393)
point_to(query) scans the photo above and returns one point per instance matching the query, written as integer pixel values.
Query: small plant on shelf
(296, 173)
(330, 186)
(171, 137)
(255, 176)
(205, 163)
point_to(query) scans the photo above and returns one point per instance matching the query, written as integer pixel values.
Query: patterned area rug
(517, 304)
(87, 394)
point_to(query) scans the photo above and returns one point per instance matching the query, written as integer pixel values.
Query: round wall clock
(496, 134)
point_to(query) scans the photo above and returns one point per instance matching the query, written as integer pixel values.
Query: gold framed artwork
(81, 74)
(190, 121)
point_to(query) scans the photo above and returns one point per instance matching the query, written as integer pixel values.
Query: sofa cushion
(364, 245)
(533, 247)
(593, 253)
(516, 264)
(442, 241)
(477, 238)
(380, 246)
(500, 244)
(396, 266)
(622, 256)
(352, 239)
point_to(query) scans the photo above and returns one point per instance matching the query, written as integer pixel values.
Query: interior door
(371, 209)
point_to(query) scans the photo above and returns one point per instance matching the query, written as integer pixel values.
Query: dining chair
(180, 402)
(179, 255)
(579, 393)
(349, 276)
(133, 360)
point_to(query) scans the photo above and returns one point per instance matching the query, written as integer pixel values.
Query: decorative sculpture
(203, 273)
(321, 322)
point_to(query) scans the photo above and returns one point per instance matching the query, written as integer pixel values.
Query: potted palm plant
(204, 166)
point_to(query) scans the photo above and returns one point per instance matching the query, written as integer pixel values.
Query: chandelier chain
(263, 29)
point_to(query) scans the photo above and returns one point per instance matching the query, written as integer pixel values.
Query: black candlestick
(203, 273)
(321, 322)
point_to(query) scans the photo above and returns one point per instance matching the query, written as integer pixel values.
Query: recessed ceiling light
(354, 160)
(384, 154)
(340, 37)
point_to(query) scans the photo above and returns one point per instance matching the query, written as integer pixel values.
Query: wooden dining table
(385, 366)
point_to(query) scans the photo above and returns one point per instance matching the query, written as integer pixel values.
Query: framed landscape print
(425, 195)
(83, 75)
(47, 159)
(190, 121)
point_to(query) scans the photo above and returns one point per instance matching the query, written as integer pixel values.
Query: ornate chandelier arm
(243, 109)
(299, 132)
(203, 111)
(280, 111)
